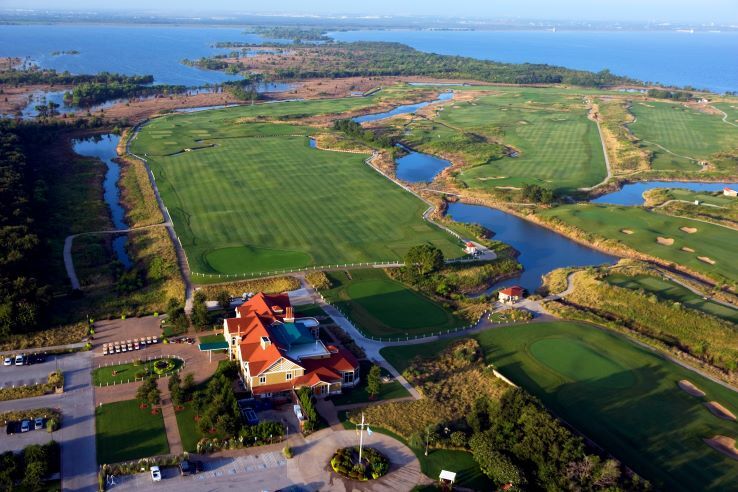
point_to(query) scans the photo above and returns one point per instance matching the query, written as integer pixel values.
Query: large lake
(703, 59)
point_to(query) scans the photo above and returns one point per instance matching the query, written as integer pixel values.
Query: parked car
(19, 359)
(12, 427)
(25, 425)
(38, 423)
(197, 465)
(298, 412)
(250, 416)
(155, 474)
(36, 359)
(8, 361)
(185, 468)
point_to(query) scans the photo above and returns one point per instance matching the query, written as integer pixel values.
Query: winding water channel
(632, 194)
(404, 109)
(104, 148)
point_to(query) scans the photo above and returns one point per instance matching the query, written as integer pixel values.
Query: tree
(199, 315)
(424, 259)
(175, 389)
(148, 392)
(373, 381)
(224, 299)
(493, 463)
(187, 386)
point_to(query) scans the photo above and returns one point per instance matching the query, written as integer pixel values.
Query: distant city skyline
(718, 11)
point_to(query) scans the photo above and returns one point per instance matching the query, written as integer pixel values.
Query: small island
(65, 52)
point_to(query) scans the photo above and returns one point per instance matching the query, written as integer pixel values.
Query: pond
(541, 250)
(416, 167)
(104, 148)
(404, 109)
(632, 194)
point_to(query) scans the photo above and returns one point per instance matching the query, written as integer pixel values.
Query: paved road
(77, 435)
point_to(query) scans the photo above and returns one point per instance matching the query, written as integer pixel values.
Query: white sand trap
(666, 241)
(691, 388)
(706, 259)
(688, 230)
(626, 231)
(720, 411)
(724, 445)
(688, 250)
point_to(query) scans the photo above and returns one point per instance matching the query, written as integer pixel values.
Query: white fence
(143, 361)
(373, 264)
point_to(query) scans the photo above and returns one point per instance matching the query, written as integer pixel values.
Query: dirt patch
(720, 411)
(706, 259)
(691, 388)
(688, 230)
(666, 241)
(627, 231)
(724, 445)
(688, 250)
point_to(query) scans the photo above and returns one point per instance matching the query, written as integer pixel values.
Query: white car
(8, 361)
(155, 474)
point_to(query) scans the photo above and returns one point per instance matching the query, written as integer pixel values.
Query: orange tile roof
(513, 291)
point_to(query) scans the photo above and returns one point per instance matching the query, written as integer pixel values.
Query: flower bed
(163, 366)
(373, 464)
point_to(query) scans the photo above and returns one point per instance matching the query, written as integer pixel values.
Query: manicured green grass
(668, 290)
(711, 241)
(684, 131)
(211, 338)
(558, 146)
(188, 430)
(468, 474)
(622, 396)
(358, 394)
(382, 306)
(126, 432)
(103, 376)
(254, 205)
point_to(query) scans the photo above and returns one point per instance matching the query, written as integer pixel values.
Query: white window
(262, 379)
(348, 377)
(289, 376)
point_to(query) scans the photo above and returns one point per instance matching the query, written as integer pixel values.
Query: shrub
(288, 453)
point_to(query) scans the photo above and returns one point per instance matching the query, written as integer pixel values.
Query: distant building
(730, 192)
(470, 248)
(511, 294)
(278, 352)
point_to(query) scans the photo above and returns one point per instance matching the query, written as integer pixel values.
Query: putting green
(243, 259)
(573, 358)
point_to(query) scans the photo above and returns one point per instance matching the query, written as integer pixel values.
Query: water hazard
(104, 148)
(416, 167)
(404, 109)
(632, 194)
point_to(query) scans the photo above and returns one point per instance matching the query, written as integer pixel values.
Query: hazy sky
(722, 11)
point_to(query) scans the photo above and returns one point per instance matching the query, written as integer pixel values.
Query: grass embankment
(126, 432)
(690, 134)
(298, 207)
(358, 394)
(624, 151)
(381, 306)
(124, 373)
(705, 249)
(712, 207)
(557, 145)
(622, 396)
(265, 285)
(707, 340)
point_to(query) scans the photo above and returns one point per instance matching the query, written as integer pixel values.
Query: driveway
(27, 375)
(309, 470)
(77, 435)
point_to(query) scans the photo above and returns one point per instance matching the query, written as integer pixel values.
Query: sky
(719, 11)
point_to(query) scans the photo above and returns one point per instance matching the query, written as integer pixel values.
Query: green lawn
(125, 373)
(709, 241)
(211, 338)
(622, 396)
(684, 131)
(668, 290)
(558, 146)
(188, 430)
(249, 205)
(468, 473)
(383, 307)
(126, 432)
(358, 394)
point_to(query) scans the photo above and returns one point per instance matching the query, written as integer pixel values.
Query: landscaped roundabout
(373, 464)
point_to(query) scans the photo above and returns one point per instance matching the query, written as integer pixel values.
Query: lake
(104, 148)
(541, 250)
(416, 167)
(632, 194)
(703, 59)
(403, 109)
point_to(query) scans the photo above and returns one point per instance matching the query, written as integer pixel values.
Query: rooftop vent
(277, 309)
(265, 342)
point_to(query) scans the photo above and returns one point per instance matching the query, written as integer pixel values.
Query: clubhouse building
(278, 353)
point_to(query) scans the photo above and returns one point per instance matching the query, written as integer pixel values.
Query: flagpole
(361, 436)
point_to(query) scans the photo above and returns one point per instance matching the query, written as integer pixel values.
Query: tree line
(90, 93)
(33, 76)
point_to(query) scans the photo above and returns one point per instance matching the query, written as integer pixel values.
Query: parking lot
(221, 470)
(27, 375)
(16, 442)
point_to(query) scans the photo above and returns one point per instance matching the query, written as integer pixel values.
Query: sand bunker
(691, 388)
(706, 259)
(666, 241)
(626, 231)
(719, 411)
(723, 444)
(688, 250)
(688, 230)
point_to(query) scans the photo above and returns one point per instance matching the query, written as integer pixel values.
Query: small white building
(470, 248)
(447, 478)
(511, 295)
(730, 192)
